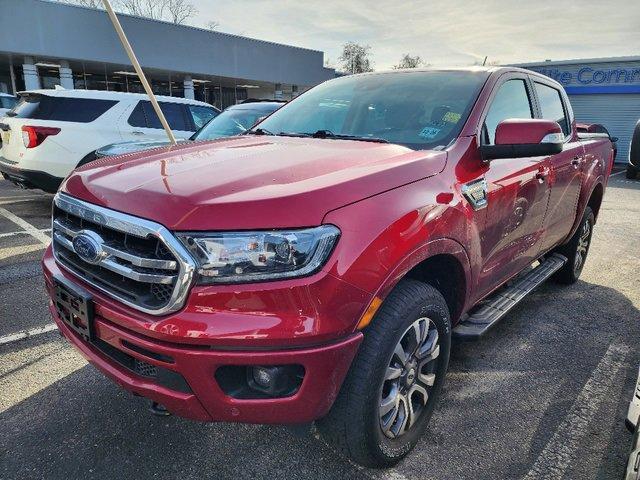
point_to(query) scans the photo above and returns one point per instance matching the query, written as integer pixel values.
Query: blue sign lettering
(590, 76)
(581, 72)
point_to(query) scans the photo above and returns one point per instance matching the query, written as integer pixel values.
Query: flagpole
(138, 69)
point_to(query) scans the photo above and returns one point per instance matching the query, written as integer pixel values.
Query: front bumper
(192, 390)
(29, 178)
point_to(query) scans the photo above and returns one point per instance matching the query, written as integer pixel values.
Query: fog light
(276, 380)
(263, 377)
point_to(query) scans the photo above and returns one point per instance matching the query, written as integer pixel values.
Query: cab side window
(511, 101)
(551, 106)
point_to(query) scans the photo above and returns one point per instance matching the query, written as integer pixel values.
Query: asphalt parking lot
(544, 395)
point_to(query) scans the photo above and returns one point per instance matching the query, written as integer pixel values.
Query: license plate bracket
(75, 307)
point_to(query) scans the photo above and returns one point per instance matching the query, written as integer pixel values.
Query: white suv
(51, 132)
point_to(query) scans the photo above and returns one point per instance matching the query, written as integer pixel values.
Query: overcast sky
(442, 32)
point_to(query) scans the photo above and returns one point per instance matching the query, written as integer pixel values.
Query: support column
(66, 75)
(188, 88)
(30, 72)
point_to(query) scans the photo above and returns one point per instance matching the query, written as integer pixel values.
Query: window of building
(511, 101)
(551, 105)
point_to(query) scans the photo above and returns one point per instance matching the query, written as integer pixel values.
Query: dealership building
(45, 43)
(602, 90)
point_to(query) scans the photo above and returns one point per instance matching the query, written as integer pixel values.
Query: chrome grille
(138, 262)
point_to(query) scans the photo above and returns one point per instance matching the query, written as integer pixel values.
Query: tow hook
(159, 410)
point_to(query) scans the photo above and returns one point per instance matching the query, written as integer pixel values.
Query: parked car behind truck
(234, 120)
(51, 132)
(633, 166)
(317, 268)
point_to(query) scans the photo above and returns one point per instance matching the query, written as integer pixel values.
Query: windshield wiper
(337, 136)
(258, 131)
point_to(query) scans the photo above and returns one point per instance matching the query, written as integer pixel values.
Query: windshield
(420, 110)
(230, 122)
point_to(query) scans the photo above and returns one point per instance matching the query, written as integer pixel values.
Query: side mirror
(614, 139)
(519, 138)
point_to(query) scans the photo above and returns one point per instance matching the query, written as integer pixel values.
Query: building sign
(586, 75)
(593, 77)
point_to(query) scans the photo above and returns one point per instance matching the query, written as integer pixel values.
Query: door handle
(542, 174)
(137, 133)
(576, 162)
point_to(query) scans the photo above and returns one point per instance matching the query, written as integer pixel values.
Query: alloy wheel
(409, 378)
(583, 247)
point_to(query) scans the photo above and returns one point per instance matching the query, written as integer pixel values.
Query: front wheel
(576, 250)
(388, 397)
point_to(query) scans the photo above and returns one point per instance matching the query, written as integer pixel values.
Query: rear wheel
(386, 401)
(576, 250)
(632, 172)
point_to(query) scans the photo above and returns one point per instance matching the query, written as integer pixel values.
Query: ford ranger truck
(316, 268)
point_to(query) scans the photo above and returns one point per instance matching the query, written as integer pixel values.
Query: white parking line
(18, 199)
(9, 252)
(30, 229)
(22, 232)
(562, 448)
(27, 333)
(616, 174)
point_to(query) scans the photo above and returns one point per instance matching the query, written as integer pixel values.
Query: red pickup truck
(317, 267)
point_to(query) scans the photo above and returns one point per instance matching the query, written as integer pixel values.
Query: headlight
(240, 257)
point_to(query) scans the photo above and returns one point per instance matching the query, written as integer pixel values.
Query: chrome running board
(490, 311)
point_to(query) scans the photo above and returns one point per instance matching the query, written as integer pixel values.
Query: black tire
(576, 251)
(354, 424)
(633, 167)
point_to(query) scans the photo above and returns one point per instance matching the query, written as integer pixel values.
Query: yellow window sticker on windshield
(451, 117)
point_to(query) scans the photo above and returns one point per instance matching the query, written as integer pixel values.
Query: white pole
(138, 69)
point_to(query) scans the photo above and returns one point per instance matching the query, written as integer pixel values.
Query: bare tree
(87, 3)
(179, 11)
(407, 61)
(487, 62)
(154, 9)
(213, 25)
(176, 11)
(355, 58)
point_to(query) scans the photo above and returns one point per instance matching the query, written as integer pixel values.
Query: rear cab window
(63, 109)
(551, 106)
(511, 101)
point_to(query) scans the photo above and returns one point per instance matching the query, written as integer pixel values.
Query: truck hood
(249, 182)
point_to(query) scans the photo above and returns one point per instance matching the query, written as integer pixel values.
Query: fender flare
(439, 246)
(583, 201)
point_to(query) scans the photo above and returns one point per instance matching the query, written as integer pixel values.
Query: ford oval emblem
(88, 247)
